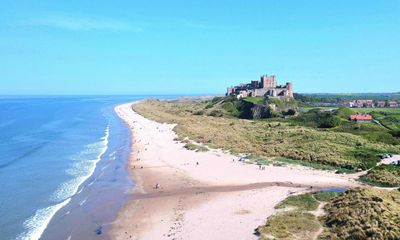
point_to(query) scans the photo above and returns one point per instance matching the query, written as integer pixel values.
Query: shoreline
(202, 195)
(47, 214)
(82, 214)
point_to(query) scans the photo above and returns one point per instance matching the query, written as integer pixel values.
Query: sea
(63, 171)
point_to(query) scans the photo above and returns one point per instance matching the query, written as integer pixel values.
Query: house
(349, 104)
(393, 104)
(361, 104)
(361, 118)
(381, 104)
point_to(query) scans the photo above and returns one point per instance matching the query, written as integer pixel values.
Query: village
(371, 104)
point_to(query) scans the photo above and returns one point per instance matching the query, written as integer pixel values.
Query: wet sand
(202, 195)
(91, 211)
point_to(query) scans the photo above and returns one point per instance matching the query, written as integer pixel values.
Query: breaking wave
(84, 165)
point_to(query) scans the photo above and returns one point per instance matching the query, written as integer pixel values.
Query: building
(361, 118)
(360, 104)
(393, 104)
(266, 86)
(381, 104)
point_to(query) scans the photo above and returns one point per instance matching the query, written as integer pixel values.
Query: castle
(265, 87)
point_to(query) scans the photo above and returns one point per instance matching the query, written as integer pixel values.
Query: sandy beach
(202, 195)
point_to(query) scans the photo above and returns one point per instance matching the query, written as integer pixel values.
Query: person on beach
(157, 186)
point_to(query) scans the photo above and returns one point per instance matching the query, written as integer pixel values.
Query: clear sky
(189, 47)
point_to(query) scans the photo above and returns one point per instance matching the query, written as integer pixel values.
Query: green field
(359, 110)
(369, 110)
(306, 109)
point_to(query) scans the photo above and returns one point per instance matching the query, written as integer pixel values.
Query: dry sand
(202, 195)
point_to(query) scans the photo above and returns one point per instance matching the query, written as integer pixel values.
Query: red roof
(361, 117)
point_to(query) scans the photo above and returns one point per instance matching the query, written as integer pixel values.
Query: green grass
(290, 225)
(325, 196)
(317, 118)
(255, 100)
(306, 109)
(389, 120)
(314, 165)
(296, 223)
(369, 110)
(263, 162)
(344, 112)
(383, 176)
(370, 131)
(305, 202)
(368, 157)
(195, 147)
(337, 120)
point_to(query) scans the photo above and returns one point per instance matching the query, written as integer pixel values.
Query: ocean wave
(83, 167)
(38, 222)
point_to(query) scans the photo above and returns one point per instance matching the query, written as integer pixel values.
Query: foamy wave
(81, 170)
(38, 222)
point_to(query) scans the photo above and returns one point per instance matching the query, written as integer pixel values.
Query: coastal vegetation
(296, 217)
(196, 147)
(304, 202)
(315, 137)
(355, 214)
(290, 225)
(363, 214)
(383, 176)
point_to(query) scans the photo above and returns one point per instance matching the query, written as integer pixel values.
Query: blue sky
(192, 47)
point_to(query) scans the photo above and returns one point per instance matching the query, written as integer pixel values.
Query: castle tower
(289, 87)
(230, 91)
(268, 81)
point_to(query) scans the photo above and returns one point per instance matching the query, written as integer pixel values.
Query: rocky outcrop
(250, 110)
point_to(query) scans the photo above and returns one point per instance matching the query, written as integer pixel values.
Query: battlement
(267, 86)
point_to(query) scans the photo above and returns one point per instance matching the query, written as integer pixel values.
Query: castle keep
(267, 86)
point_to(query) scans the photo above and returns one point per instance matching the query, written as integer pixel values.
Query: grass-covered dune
(358, 214)
(363, 214)
(383, 176)
(213, 125)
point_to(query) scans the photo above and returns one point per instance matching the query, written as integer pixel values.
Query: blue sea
(62, 166)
